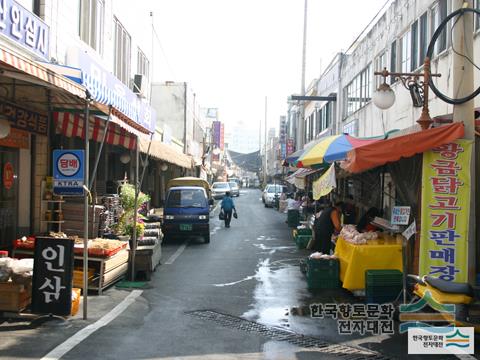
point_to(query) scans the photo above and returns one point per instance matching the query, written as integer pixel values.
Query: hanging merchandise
(325, 184)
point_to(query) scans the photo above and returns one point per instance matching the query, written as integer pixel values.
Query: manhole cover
(277, 334)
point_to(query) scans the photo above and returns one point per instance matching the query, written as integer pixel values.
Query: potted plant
(124, 228)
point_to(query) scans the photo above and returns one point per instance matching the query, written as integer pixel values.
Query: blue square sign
(68, 172)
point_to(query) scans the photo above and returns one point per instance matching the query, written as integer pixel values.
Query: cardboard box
(14, 297)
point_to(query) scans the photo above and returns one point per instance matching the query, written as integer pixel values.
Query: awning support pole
(85, 206)
(97, 159)
(138, 186)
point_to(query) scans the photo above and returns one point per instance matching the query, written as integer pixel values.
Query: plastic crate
(323, 274)
(380, 299)
(302, 241)
(293, 218)
(304, 231)
(383, 277)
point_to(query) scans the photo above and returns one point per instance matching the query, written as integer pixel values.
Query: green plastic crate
(383, 278)
(293, 218)
(323, 274)
(302, 241)
(304, 231)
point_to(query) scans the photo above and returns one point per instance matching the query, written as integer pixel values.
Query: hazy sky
(234, 53)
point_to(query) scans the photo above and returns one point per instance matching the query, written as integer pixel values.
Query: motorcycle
(440, 295)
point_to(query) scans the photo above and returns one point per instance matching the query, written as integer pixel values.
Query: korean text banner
(325, 184)
(445, 211)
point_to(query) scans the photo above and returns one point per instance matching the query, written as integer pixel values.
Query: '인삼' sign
(68, 172)
(52, 276)
(445, 211)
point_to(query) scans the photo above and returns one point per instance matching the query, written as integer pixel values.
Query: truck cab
(187, 209)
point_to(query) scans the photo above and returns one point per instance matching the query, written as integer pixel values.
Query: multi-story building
(398, 41)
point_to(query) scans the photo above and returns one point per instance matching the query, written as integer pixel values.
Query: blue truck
(187, 208)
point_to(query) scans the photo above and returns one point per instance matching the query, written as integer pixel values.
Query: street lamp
(384, 97)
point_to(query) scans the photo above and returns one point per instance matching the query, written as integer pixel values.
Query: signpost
(68, 172)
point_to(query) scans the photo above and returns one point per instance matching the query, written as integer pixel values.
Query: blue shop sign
(107, 89)
(68, 172)
(24, 28)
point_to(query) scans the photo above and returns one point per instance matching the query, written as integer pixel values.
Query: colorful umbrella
(330, 149)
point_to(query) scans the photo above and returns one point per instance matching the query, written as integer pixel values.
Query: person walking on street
(227, 207)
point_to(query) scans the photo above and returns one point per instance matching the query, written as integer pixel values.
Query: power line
(163, 51)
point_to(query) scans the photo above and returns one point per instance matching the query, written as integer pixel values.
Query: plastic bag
(235, 215)
(221, 216)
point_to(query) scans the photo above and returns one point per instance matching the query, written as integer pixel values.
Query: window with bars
(380, 64)
(143, 65)
(91, 29)
(438, 13)
(122, 58)
(393, 60)
(359, 91)
(406, 53)
(423, 38)
(476, 25)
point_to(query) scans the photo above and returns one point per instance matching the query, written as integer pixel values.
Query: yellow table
(376, 255)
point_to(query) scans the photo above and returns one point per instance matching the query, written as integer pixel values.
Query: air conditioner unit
(139, 84)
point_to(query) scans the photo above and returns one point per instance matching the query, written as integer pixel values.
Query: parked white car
(268, 196)
(234, 189)
(219, 189)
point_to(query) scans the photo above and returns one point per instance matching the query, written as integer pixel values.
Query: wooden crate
(14, 297)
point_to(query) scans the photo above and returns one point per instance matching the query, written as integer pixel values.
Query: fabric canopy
(71, 125)
(165, 152)
(381, 152)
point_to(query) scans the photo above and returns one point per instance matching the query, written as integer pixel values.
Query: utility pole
(265, 146)
(462, 42)
(301, 120)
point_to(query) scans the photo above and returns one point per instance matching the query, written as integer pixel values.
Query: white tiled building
(397, 40)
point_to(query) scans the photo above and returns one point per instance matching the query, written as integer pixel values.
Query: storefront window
(8, 195)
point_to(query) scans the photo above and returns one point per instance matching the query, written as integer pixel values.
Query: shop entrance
(8, 196)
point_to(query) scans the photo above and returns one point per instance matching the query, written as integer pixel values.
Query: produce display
(350, 234)
(18, 271)
(319, 255)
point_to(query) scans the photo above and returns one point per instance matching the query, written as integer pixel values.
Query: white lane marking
(76, 339)
(176, 254)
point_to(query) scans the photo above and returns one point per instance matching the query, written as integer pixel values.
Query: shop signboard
(24, 28)
(107, 89)
(400, 215)
(68, 172)
(445, 211)
(23, 119)
(290, 146)
(52, 276)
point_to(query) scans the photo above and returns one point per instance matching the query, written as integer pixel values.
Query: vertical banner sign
(52, 276)
(68, 172)
(445, 211)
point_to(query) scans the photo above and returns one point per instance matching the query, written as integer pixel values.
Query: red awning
(390, 150)
(71, 125)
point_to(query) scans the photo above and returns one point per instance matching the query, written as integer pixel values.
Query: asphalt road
(240, 297)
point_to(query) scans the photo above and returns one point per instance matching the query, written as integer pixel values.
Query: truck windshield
(187, 198)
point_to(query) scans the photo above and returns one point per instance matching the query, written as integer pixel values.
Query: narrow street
(242, 296)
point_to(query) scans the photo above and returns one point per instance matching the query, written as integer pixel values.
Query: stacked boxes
(323, 274)
(382, 286)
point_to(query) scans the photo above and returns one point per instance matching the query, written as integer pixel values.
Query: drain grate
(233, 322)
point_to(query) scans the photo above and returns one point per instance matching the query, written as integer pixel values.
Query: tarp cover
(390, 150)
